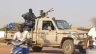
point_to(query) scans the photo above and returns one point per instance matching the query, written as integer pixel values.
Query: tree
(1, 29)
(15, 24)
(93, 20)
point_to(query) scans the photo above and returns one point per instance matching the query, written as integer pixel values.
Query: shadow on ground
(53, 52)
(49, 51)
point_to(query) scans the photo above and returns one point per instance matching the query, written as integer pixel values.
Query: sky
(76, 12)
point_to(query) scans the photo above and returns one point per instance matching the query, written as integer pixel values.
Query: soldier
(29, 19)
(43, 14)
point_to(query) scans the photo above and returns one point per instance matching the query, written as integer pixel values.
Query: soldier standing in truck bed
(43, 14)
(29, 19)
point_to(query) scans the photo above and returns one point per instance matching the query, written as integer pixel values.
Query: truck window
(47, 24)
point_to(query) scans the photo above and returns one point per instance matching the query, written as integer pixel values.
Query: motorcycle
(19, 48)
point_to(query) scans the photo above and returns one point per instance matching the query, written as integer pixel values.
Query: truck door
(48, 33)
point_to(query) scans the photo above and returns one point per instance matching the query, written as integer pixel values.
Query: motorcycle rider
(23, 36)
(29, 19)
(91, 35)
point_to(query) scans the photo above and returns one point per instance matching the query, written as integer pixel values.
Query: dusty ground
(1, 40)
(46, 50)
(5, 49)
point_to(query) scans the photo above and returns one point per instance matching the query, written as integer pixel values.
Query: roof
(49, 19)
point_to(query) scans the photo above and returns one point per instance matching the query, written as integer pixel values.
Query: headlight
(75, 35)
(78, 36)
(81, 36)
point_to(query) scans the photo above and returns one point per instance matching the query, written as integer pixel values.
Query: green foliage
(2, 29)
(15, 24)
(93, 20)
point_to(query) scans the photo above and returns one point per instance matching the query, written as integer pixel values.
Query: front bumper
(79, 44)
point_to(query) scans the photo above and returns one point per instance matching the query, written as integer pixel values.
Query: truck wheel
(37, 49)
(68, 47)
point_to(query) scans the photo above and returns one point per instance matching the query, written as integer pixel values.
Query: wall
(2, 33)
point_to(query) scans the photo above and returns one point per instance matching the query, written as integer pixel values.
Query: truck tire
(37, 49)
(68, 47)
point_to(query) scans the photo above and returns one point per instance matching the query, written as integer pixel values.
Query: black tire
(68, 47)
(82, 50)
(37, 49)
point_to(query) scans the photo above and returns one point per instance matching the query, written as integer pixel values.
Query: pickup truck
(56, 33)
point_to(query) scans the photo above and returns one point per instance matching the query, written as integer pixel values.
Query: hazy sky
(76, 12)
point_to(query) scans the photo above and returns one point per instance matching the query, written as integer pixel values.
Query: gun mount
(44, 14)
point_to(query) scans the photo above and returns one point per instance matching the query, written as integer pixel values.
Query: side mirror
(70, 25)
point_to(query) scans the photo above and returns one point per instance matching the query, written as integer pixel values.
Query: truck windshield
(61, 24)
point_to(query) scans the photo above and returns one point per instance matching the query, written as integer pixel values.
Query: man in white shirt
(22, 35)
(91, 34)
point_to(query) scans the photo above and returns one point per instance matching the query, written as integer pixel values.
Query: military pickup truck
(50, 32)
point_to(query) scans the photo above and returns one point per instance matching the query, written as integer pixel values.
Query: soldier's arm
(24, 15)
(34, 16)
(38, 17)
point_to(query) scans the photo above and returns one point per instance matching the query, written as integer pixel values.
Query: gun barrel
(50, 10)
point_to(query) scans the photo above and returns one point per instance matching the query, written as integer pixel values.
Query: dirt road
(46, 50)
